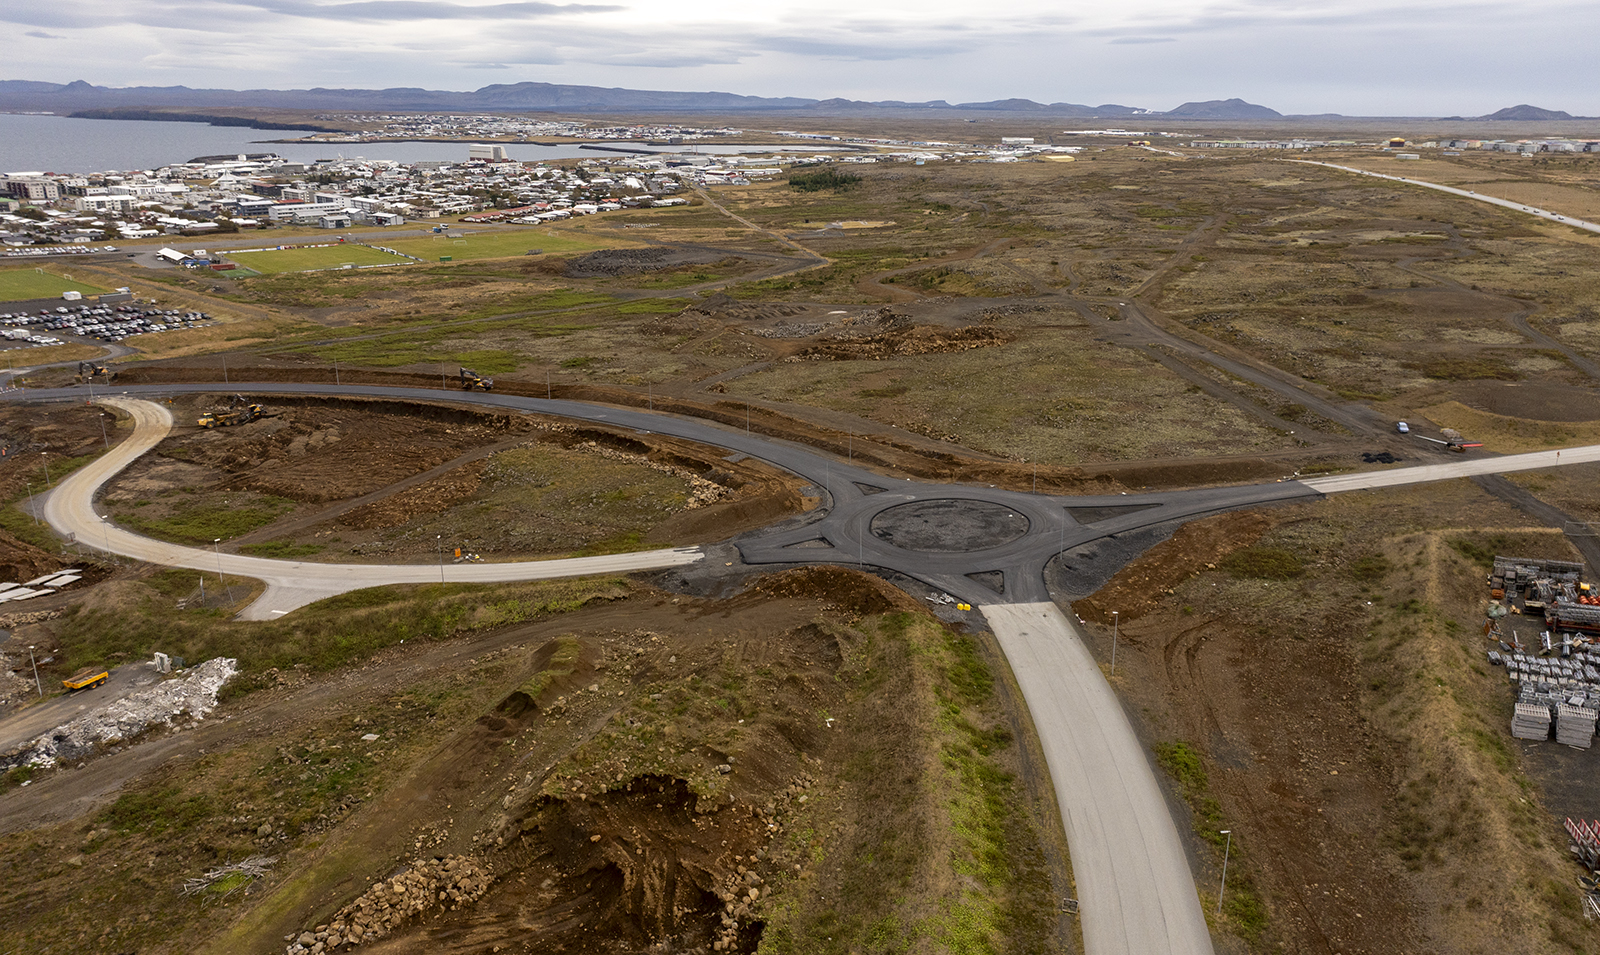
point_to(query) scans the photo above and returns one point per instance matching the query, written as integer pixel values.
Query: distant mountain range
(80, 96)
(135, 102)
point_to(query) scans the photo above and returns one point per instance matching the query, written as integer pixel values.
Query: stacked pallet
(1531, 721)
(1575, 725)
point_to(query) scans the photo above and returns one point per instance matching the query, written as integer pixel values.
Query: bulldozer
(471, 379)
(239, 411)
(88, 371)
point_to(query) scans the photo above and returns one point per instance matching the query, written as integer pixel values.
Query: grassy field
(19, 284)
(307, 259)
(501, 244)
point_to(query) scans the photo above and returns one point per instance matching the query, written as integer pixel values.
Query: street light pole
(105, 527)
(1220, 888)
(31, 508)
(36, 684)
(216, 548)
(103, 436)
(45, 463)
(440, 539)
(1114, 621)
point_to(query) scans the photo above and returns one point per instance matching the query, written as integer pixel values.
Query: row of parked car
(107, 323)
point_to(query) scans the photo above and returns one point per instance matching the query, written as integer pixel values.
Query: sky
(1357, 57)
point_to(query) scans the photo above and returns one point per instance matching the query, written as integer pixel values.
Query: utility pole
(1114, 621)
(216, 547)
(1223, 887)
(36, 684)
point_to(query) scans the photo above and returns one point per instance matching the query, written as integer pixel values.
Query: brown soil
(336, 458)
(919, 340)
(1141, 586)
(648, 772)
(317, 451)
(1348, 733)
(403, 507)
(896, 451)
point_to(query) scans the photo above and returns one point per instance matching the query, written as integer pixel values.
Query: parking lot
(107, 323)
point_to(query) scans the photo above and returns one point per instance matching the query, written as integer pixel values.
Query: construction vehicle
(471, 379)
(89, 371)
(239, 412)
(1452, 441)
(87, 678)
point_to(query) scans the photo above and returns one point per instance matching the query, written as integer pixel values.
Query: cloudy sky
(1410, 57)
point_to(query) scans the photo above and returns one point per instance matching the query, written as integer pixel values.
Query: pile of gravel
(194, 694)
(437, 883)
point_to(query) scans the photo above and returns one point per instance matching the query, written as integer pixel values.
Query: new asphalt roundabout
(980, 545)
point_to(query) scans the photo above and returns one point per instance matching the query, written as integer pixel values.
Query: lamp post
(36, 684)
(216, 548)
(1222, 887)
(103, 436)
(43, 455)
(105, 528)
(440, 539)
(31, 509)
(1114, 621)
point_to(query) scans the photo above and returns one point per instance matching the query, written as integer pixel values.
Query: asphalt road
(1137, 892)
(1466, 194)
(70, 509)
(1136, 895)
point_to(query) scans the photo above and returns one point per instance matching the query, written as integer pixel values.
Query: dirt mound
(432, 497)
(612, 262)
(918, 340)
(1139, 587)
(451, 882)
(862, 593)
(20, 560)
(327, 451)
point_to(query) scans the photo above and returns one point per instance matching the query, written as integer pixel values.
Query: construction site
(833, 752)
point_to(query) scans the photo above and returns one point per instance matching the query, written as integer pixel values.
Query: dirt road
(1136, 893)
(29, 724)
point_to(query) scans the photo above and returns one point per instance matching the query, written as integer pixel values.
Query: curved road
(290, 584)
(1138, 894)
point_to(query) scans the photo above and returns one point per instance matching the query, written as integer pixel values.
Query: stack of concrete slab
(1531, 721)
(60, 578)
(17, 592)
(1575, 725)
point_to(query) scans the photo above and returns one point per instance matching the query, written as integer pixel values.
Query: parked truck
(86, 679)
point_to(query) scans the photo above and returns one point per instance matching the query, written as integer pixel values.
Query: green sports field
(18, 285)
(273, 261)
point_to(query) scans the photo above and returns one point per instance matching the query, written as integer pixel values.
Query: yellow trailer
(83, 679)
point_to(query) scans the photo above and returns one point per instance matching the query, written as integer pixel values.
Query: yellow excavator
(471, 379)
(239, 412)
(89, 371)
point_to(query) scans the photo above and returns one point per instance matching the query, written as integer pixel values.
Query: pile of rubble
(194, 694)
(452, 882)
